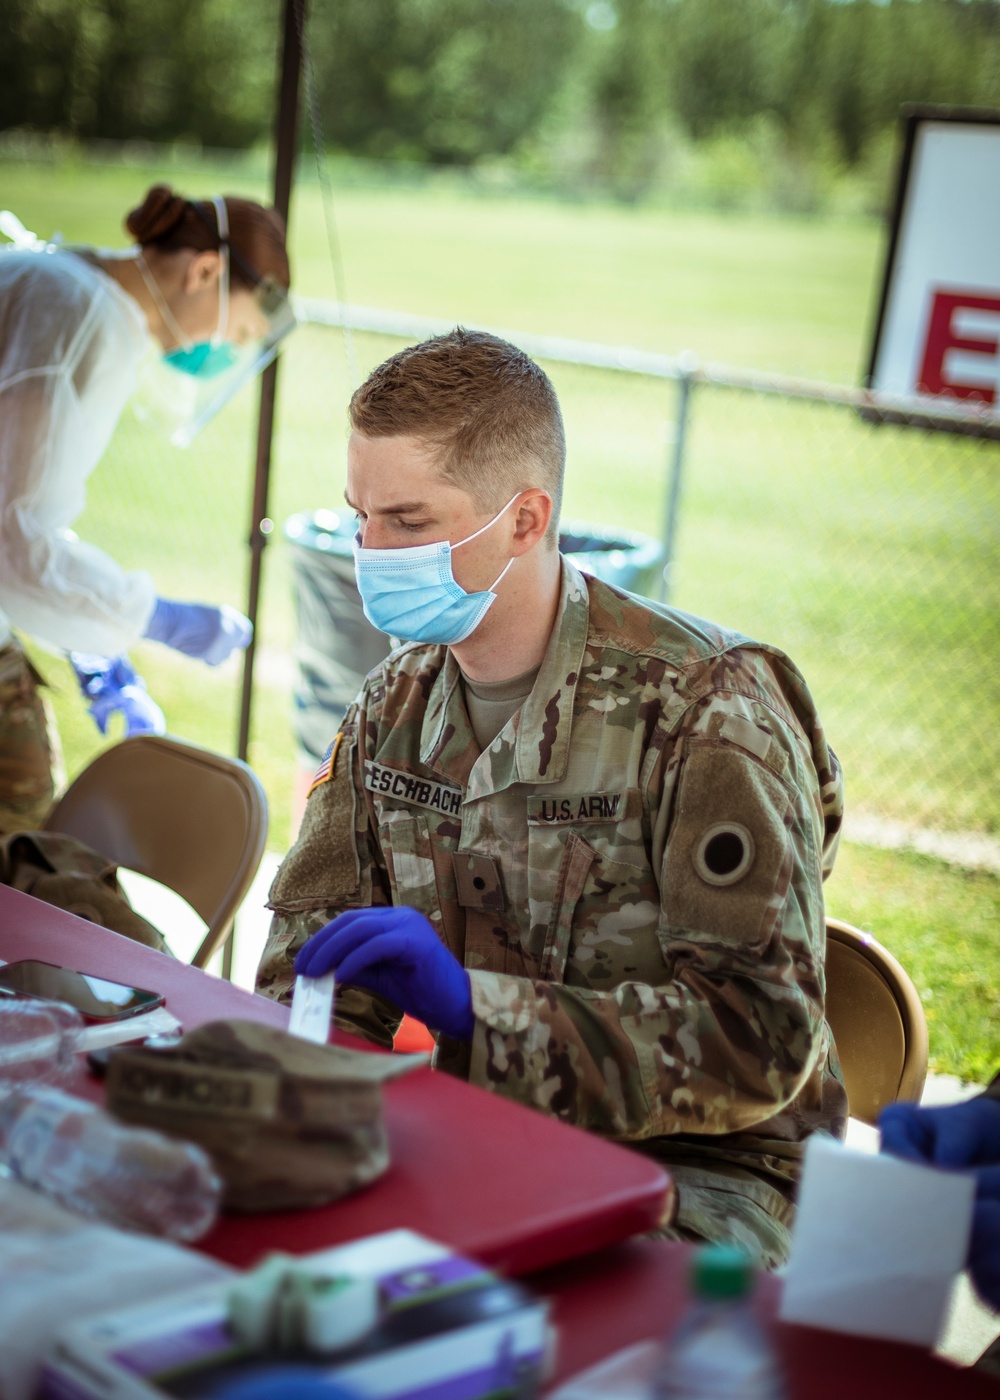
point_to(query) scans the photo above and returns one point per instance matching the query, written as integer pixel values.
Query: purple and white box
(447, 1329)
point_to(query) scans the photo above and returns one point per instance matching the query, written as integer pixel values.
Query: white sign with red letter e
(938, 334)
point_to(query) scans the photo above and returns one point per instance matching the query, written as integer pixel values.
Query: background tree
(154, 70)
(447, 81)
(454, 82)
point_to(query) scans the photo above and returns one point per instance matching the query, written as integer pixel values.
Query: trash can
(336, 646)
(623, 558)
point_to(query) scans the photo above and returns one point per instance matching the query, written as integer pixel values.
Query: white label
(312, 1008)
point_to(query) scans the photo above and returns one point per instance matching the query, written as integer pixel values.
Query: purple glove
(962, 1136)
(196, 629)
(984, 1251)
(110, 685)
(285, 1383)
(396, 953)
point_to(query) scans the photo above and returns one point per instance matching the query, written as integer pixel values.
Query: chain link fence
(867, 551)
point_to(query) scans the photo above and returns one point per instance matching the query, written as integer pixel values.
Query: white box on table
(450, 1329)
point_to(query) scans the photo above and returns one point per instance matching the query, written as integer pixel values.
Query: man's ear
(202, 271)
(534, 513)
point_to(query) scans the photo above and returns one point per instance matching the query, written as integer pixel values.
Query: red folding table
(508, 1186)
(489, 1178)
(638, 1290)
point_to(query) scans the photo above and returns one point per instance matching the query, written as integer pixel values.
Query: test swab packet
(312, 1008)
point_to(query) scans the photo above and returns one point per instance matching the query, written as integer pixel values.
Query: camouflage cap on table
(287, 1122)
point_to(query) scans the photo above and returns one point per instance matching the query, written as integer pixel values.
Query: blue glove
(984, 1251)
(285, 1383)
(110, 685)
(396, 953)
(196, 629)
(958, 1136)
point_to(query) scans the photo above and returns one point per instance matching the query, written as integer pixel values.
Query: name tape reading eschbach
(418, 792)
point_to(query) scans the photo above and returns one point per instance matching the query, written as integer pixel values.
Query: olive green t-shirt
(491, 703)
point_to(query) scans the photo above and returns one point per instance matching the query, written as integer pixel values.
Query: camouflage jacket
(631, 873)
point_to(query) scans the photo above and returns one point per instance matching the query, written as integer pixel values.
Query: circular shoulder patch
(724, 854)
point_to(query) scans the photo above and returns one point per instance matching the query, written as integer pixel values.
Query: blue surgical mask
(411, 593)
(204, 359)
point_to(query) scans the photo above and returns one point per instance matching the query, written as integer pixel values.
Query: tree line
(602, 86)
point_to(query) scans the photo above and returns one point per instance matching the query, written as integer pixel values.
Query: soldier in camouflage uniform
(629, 872)
(30, 757)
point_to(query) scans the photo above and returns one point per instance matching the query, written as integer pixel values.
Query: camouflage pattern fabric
(286, 1122)
(30, 761)
(63, 871)
(631, 873)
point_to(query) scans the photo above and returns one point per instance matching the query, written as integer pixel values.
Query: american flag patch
(325, 770)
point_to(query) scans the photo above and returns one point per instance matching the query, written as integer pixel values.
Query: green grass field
(764, 292)
(869, 554)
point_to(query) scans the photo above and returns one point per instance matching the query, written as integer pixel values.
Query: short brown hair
(489, 408)
(168, 221)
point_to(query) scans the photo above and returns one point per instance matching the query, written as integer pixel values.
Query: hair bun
(157, 216)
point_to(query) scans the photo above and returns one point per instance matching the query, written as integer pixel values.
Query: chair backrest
(189, 818)
(877, 1021)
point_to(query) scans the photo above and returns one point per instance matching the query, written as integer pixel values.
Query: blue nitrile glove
(960, 1136)
(984, 1251)
(396, 953)
(199, 630)
(110, 684)
(285, 1383)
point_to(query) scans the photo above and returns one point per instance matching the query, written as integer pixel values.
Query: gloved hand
(959, 1135)
(396, 953)
(984, 1251)
(199, 630)
(110, 684)
(286, 1383)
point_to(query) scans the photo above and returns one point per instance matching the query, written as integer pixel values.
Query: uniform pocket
(595, 918)
(578, 857)
(409, 858)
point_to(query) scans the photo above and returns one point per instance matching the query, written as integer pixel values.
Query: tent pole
(286, 122)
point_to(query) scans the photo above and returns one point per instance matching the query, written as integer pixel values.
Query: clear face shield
(183, 390)
(199, 398)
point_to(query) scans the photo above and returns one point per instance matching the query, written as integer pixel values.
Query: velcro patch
(577, 808)
(325, 770)
(478, 881)
(190, 1088)
(415, 792)
(741, 731)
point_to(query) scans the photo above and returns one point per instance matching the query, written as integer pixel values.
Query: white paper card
(312, 1007)
(877, 1244)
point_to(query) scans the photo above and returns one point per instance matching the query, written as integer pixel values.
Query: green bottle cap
(721, 1271)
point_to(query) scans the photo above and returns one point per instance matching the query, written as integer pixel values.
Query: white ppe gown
(70, 344)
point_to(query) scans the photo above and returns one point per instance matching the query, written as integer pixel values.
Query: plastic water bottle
(719, 1350)
(38, 1041)
(132, 1177)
